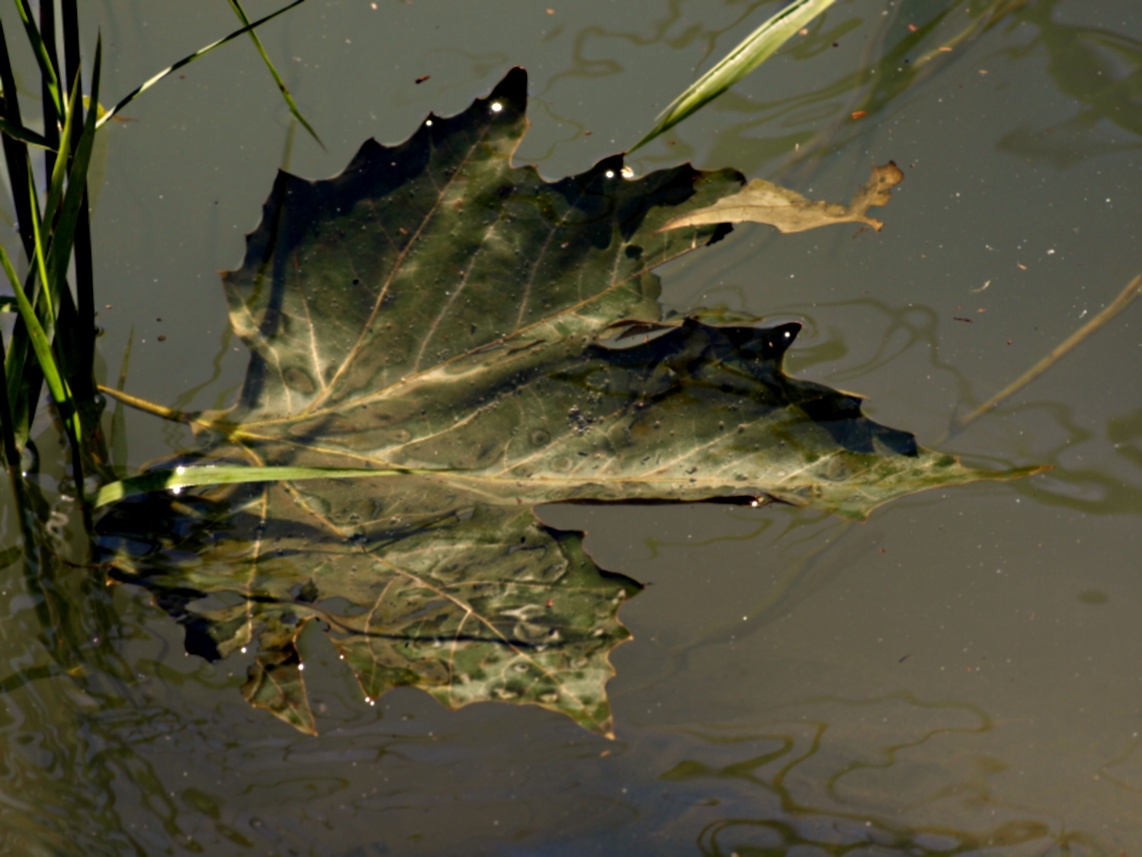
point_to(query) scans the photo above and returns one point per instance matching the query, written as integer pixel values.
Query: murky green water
(960, 674)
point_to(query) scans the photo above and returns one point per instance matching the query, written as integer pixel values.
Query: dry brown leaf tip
(762, 201)
(880, 185)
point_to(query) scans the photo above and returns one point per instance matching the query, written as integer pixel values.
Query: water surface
(960, 674)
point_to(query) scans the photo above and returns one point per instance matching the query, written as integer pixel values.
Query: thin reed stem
(1132, 290)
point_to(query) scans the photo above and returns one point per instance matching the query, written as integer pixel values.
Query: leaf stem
(149, 407)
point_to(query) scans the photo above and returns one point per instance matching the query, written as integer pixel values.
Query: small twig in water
(148, 407)
(1132, 290)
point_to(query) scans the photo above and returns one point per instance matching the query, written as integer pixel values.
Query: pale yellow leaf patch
(762, 201)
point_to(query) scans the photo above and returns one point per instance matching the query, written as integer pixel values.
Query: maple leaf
(470, 340)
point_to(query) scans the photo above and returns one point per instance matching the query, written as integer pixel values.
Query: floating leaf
(761, 201)
(483, 341)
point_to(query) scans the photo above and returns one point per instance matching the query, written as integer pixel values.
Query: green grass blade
(282, 88)
(11, 447)
(188, 477)
(69, 25)
(51, 287)
(46, 300)
(759, 46)
(201, 52)
(84, 268)
(43, 296)
(65, 224)
(47, 68)
(15, 149)
(24, 135)
(42, 347)
(50, 98)
(59, 169)
(75, 340)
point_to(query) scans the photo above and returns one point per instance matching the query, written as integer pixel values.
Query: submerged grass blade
(282, 88)
(761, 44)
(190, 477)
(980, 24)
(201, 52)
(148, 407)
